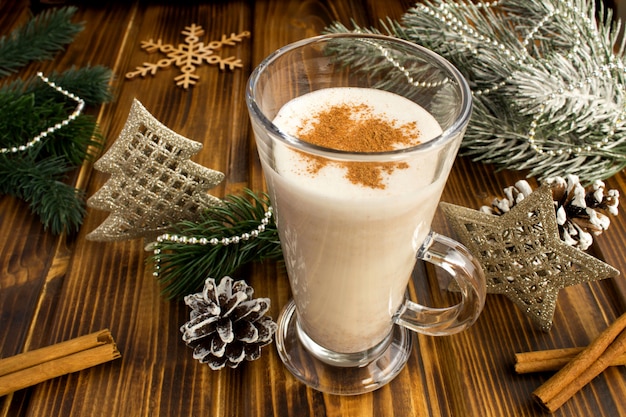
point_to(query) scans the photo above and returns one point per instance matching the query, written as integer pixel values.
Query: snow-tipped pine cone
(580, 214)
(227, 325)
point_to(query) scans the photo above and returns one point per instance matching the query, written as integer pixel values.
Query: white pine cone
(513, 195)
(580, 214)
(226, 324)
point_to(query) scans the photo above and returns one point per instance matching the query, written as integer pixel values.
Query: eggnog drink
(350, 230)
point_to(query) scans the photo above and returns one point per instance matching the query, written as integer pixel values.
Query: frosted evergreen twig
(548, 87)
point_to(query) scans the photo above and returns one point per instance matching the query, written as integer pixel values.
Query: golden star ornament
(523, 256)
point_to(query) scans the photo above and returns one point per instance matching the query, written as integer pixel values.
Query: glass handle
(468, 274)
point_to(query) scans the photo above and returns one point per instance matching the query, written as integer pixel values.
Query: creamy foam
(350, 249)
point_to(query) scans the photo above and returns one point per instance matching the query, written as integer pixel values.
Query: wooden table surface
(57, 288)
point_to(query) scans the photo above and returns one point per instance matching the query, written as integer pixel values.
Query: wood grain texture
(57, 288)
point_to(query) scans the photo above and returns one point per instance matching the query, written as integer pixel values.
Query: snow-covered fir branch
(547, 78)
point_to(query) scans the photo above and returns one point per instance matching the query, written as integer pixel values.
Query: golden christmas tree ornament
(189, 55)
(153, 183)
(523, 256)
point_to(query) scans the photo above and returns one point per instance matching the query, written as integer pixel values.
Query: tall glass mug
(357, 135)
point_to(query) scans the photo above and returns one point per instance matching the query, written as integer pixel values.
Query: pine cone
(226, 324)
(580, 214)
(513, 195)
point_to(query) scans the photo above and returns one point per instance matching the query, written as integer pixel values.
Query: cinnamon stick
(30, 368)
(552, 360)
(584, 367)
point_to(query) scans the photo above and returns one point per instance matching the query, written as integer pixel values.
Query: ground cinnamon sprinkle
(356, 129)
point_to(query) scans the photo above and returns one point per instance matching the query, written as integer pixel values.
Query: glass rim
(446, 136)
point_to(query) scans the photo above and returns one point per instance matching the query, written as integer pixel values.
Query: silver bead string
(467, 32)
(385, 52)
(487, 4)
(224, 241)
(77, 111)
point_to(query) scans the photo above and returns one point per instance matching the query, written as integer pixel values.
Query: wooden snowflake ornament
(523, 256)
(153, 183)
(189, 55)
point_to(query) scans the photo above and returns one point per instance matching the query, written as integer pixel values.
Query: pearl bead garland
(402, 69)
(57, 126)
(224, 241)
(468, 34)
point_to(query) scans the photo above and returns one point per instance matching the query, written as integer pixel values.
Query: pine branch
(547, 86)
(39, 39)
(183, 268)
(76, 142)
(15, 122)
(36, 175)
(89, 83)
(60, 207)
(26, 114)
(30, 107)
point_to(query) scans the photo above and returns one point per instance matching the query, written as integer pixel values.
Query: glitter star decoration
(189, 55)
(523, 256)
(153, 183)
